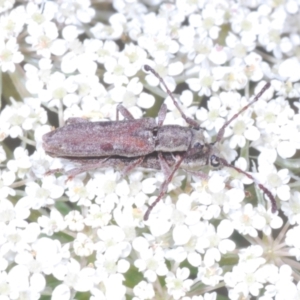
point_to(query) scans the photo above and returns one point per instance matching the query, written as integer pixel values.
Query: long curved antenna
(190, 121)
(222, 130)
(262, 187)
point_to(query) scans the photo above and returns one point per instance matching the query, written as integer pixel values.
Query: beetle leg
(133, 165)
(164, 187)
(86, 167)
(161, 114)
(124, 112)
(164, 165)
(199, 174)
(50, 172)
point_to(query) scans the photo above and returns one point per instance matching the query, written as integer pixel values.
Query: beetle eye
(198, 145)
(215, 161)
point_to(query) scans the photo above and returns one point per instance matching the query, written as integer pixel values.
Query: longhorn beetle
(132, 143)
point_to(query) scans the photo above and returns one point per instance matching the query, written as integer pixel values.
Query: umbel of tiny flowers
(213, 235)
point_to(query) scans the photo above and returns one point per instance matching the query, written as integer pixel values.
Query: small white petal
(225, 229)
(37, 282)
(175, 69)
(61, 292)
(181, 234)
(286, 149)
(290, 69)
(216, 183)
(148, 185)
(123, 266)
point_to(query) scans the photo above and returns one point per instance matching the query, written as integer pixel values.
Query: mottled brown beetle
(132, 143)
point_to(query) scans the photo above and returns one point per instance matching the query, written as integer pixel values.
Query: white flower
(292, 241)
(210, 20)
(37, 17)
(200, 47)
(246, 24)
(113, 31)
(143, 290)
(47, 255)
(205, 84)
(45, 40)
(109, 265)
(103, 49)
(213, 117)
(6, 179)
(282, 286)
(80, 192)
(181, 234)
(74, 12)
(112, 241)
(58, 88)
(18, 239)
(128, 95)
(10, 214)
(276, 181)
(98, 216)
(21, 163)
(242, 129)
(54, 223)
(152, 263)
(178, 284)
(20, 117)
(217, 243)
(12, 24)
(9, 55)
(116, 71)
(286, 89)
(245, 280)
(74, 277)
(136, 55)
(210, 275)
(239, 47)
(83, 245)
(252, 256)
(292, 208)
(290, 69)
(289, 139)
(160, 46)
(254, 70)
(231, 78)
(37, 77)
(74, 220)
(39, 196)
(113, 288)
(6, 5)
(22, 282)
(247, 221)
(273, 115)
(273, 221)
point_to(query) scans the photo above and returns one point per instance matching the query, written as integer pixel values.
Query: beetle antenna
(164, 187)
(184, 116)
(261, 186)
(257, 97)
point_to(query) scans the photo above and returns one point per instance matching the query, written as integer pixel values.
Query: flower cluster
(85, 237)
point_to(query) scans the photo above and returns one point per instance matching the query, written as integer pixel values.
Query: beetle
(132, 143)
